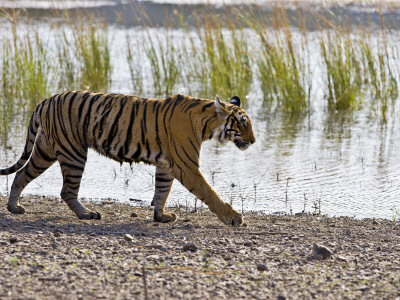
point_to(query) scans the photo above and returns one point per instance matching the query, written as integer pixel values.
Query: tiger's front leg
(164, 179)
(194, 181)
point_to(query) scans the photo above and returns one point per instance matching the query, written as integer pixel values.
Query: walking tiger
(167, 133)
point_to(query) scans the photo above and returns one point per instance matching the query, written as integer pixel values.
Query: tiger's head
(236, 125)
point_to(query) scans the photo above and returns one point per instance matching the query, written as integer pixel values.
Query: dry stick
(146, 296)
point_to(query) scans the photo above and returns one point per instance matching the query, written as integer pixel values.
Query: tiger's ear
(220, 108)
(236, 101)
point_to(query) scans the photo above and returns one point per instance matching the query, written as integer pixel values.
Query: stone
(128, 237)
(262, 267)
(57, 234)
(348, 232)
(134, 215)
(13, 240)
(190, 247)
(321, 252)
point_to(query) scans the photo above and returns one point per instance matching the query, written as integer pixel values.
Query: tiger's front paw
(165, 218)
(90, 215)
(229, 216)
(16, 210)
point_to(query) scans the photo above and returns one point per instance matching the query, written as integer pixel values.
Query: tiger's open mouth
(241, 144)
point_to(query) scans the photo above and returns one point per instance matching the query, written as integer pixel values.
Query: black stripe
(188, 156)
(71, 166)
(88, 115)
(207, 106)
(160, 179)
(114, 127)
(194, 104)
(43, 154)
(177, 101)
(148, 149)
(158, 140)
(194, 147)
(136, 155)
(129, 133)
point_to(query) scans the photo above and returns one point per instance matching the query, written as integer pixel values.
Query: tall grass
(343, 68)
(380, 62)
(134, 58)
(213, 56)
(32, 68)
(163, 57)
(91, 47)
(283, 66)
(227, 57)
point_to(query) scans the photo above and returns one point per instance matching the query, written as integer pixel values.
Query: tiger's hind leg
(164, 179)
(41, 159)
(72, 171)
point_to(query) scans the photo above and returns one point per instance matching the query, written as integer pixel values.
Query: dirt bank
(49, 254)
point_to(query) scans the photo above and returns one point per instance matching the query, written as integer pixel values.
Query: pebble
(348, 232)
(321, 252)
(57, 234)
(190, 247)
(13, 240)
(134, 215)
(128, 237)
(341, 258)
(262, 267)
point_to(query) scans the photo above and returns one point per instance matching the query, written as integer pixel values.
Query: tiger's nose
(252, 140)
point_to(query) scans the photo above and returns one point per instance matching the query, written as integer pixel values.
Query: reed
(134, 58)
(25, 66)
(93, 50)
(343, 67)
(227, 57)
(283, 66)
(380, 64)
(163, 57)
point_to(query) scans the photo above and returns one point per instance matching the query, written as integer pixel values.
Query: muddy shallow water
(336, 163)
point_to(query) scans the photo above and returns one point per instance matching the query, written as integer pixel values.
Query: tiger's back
(164, 132)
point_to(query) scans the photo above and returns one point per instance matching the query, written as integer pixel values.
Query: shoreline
(48, 253)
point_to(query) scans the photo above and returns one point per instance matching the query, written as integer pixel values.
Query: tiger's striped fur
(164, 132)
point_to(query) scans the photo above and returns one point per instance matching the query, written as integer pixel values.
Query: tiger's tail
(30, 142)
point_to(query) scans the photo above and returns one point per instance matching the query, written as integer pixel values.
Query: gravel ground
(49, 254)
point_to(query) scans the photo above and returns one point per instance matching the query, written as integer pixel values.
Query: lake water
(336, 163)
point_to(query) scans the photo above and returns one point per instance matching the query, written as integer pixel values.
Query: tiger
(167, 133)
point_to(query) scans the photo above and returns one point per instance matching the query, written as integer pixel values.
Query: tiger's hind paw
(16, 210)
(165, 218)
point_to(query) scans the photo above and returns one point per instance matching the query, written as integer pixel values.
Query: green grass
(227, 58)
(213, 56)
(342, 64)
(380, 63)
(283, 68)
